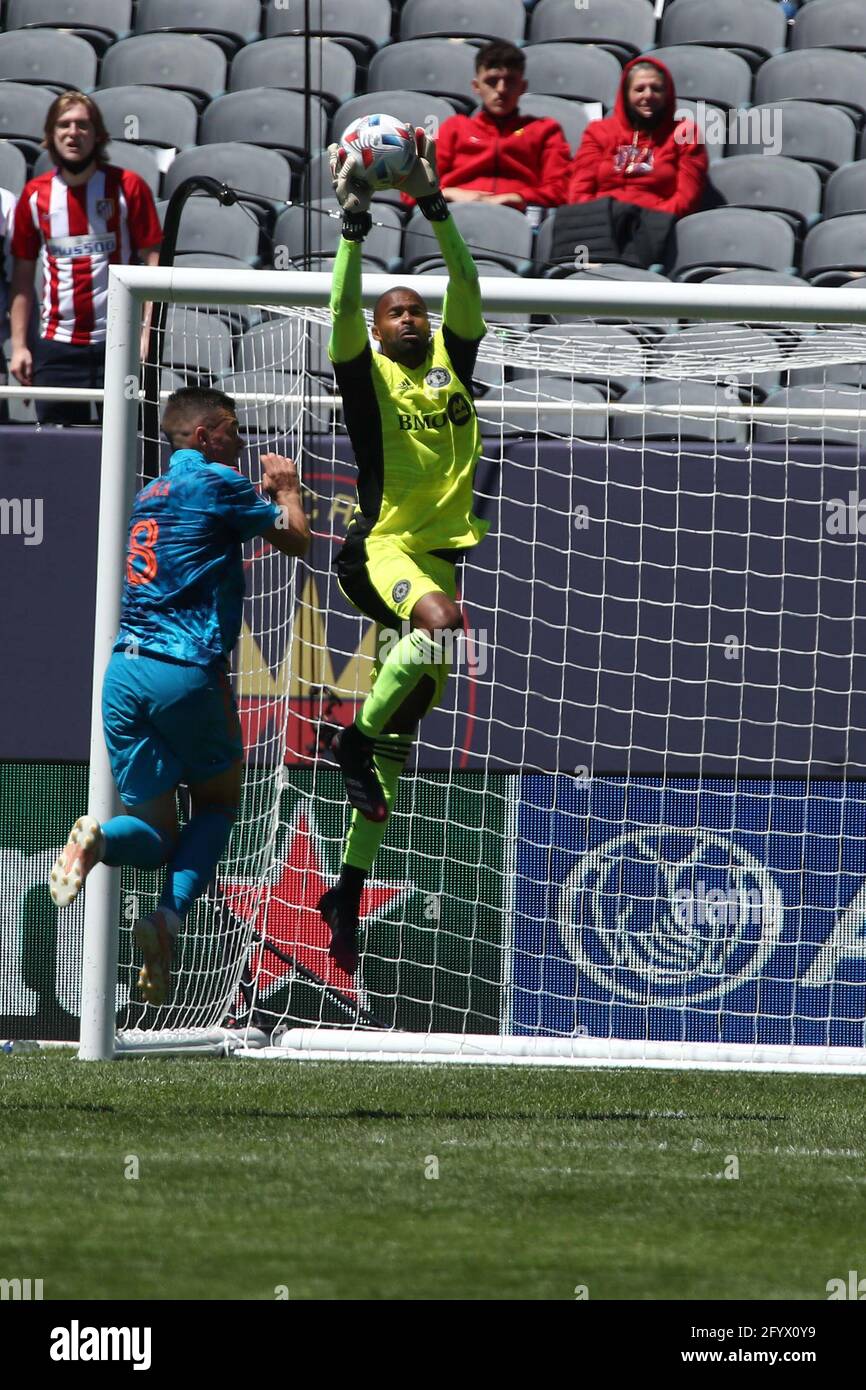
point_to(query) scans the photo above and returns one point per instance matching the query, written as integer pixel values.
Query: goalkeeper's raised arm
(409, 414)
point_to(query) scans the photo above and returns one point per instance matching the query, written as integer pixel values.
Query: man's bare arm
(291, 535)
(20, 310)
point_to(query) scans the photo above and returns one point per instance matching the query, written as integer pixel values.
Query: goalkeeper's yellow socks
(410, 659)
(390, 752)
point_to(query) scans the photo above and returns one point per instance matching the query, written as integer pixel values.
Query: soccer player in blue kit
(169, 714)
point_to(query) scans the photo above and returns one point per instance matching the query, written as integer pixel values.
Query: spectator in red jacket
(641, 154)
(497, 155)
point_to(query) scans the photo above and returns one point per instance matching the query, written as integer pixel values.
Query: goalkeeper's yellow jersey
(416, 440)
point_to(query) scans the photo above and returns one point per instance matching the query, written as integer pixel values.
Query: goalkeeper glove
(423, 182)
(353, 194)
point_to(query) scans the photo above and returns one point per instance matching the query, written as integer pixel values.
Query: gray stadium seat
(486, 19)
(22, 115)
(831, 373)
(270, 416)
(100, 22)
(831, 24)
(753, 29)
(818, 135)
(707, 74)
(268, 347)
(570, 114)
(601, 354)
(125, 155)
(437, 66)
(578, 71)
(625, 27)
(256, 174)
(416, 108)
(182, 62)
(47, 58)
(264, 116)
(712, 123)
(493, 232)
(835, 250)
(756, 277)
(538, 421)
(196, 341)
(365, 24)
(653, 424)
(738, 341)
(229, 23)
(813, 431)
(772, 182)
(381, 245)
(731, 239)
(846, 190)
(13, 167)
(207, 226)
(157, 115)
(647, 327)
(817, 74)
(280, 63)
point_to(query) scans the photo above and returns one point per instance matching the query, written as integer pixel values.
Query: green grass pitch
(257, 1177)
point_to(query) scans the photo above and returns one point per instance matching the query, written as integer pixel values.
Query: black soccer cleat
(354, 754)
(342, 921)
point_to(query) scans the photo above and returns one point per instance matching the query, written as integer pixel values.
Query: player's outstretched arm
(291, 534)
(461, 311)
(348, 327)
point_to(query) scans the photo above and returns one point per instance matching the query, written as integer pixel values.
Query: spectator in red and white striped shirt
(81, 217)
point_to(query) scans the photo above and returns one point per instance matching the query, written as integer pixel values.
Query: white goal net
(635, 829)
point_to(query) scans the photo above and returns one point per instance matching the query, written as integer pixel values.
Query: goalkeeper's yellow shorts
(385, 583)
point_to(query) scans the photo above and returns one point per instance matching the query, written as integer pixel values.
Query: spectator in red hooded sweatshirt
(641, 154)
(497, 155)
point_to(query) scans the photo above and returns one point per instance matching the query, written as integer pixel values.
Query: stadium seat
(207, 226)
(281, 63)
(846, 190)
(624, 27)
(653, 424)
(602, 354)
(830, 24)
(578, 71)
(416, 108)
(229, 23)
(832, 373)
(731, 239)
(257, 175)
(156, 115)
(196, 341)
(835, 250)
(756, 277)
(48, 59)
(182, 62)
(437, 66)
(646, 327)
(816, 74)
(486, 19)
(364, 26)
(265, 349)
(737, 343)
(712, 124)
(13, 167)
(22, 115)
(381, 245)
(772, 182)
(817, 135)
(495, 233)
(753, 29)
(437, 266)
(122, 153)
(570, 114)
(550, 423)
(272, 416)
(265, 116)
(708, 74)
(813, 431)
(100, 22)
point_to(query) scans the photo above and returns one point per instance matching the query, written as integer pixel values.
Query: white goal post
(629, 981)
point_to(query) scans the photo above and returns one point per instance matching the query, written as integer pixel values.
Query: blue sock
(198, 852)
(129, 840)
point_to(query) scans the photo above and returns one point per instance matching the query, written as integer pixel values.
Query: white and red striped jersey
(80, 232)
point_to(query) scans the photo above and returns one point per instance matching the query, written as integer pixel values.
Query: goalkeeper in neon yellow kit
(409, 414)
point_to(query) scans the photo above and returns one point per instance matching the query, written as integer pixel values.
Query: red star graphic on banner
(288, 916)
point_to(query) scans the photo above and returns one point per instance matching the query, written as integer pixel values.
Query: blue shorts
(166, 723)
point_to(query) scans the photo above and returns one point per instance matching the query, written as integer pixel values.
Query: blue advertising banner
(687, 910)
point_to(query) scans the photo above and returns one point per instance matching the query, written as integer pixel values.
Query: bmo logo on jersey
(457, 412)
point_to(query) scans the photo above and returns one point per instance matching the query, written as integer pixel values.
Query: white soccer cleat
(82, 850)
(156, 943)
